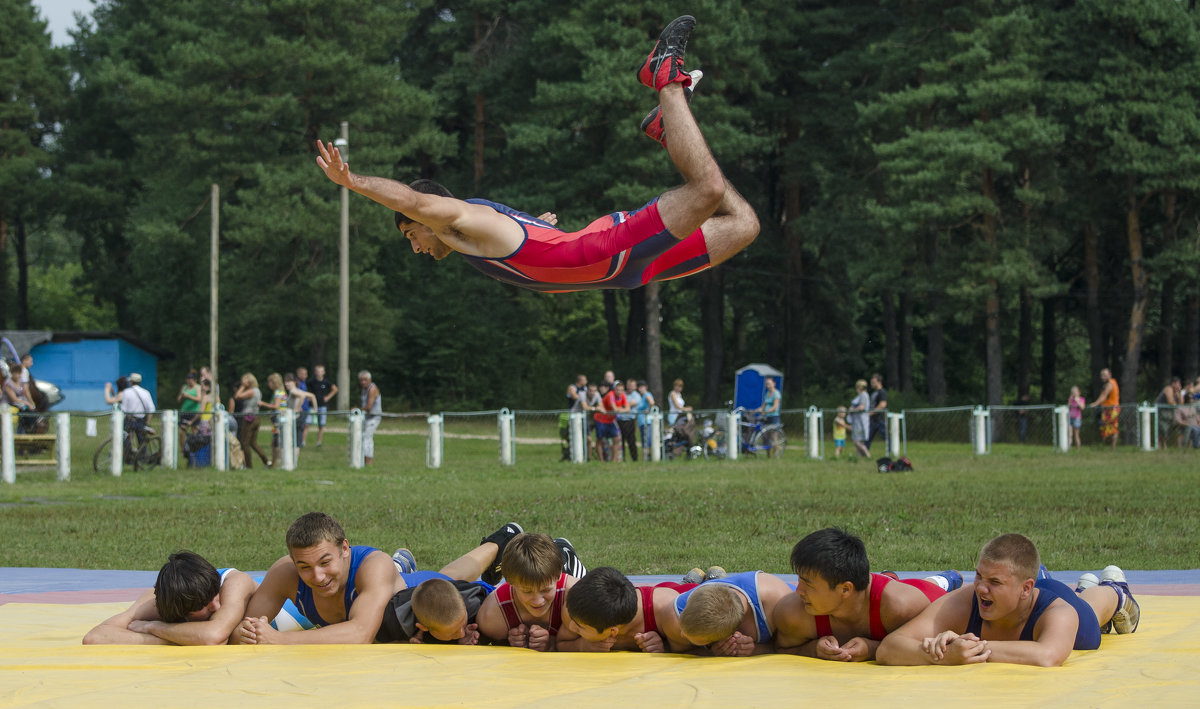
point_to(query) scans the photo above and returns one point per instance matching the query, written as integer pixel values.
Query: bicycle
(756, 437)
(147, 456)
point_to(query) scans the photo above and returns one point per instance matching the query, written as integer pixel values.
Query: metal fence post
(1062, 429)
(508, 443)
(354, 438)
(220, 433)
(170, 439)
(654, 420)
(814, 419)
(577, 432)
(733, 435)
(1147, 414)
(433, 449)
(895, 443)
(981, 430)
(8, 451)
(287, 439)
(117, 445)
(62, 429)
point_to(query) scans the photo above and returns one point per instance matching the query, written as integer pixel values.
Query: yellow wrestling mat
(43, 663)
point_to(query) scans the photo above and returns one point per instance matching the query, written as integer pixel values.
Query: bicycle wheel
(102, 460)
(149, 454)
(778, 441)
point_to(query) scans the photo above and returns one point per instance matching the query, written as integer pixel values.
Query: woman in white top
(675, 402)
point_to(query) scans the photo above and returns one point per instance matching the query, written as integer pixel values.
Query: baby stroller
(197, 445)
(680, 439)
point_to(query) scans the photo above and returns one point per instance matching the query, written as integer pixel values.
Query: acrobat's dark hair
(424, 187)
(185, 584)
(604, 597)
(835, 556)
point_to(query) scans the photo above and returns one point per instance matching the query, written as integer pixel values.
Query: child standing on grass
(1075, 404)
(839, 431)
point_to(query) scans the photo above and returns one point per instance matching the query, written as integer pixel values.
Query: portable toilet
(749, 385)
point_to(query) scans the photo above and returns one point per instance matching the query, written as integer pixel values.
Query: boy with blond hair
(732, 616)
(528, 610)
(840, 427)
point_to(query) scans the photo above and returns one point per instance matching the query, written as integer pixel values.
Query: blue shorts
(607, 430)
(1077, 423)
(839, 442)
(321, 416)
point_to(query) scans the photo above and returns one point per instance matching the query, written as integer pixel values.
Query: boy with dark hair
(1013, 614)
(528, 610)
(840, 610)
(609, 613)
(192, 603)
(734, 615)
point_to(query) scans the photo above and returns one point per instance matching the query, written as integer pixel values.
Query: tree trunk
(613, 320)
(904, 324)
(654, 380)
(1166, 321)
(19, 244)
(995, 355)
(935, 334)
(1049, 352)
(712, 328)
(480, 34)
(1141, 299)
(1025, 342)
(891, 337)
(1095, 319)
(1191, 349)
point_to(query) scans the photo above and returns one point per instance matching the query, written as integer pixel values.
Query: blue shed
(81, 362)
(749, 386)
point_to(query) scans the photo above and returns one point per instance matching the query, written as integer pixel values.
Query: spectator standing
(324, 390)
(301, 382)
(189, 401)
(372, 405)
(859, 422)
(1170, 397)
(772, 403)
(840, 427)
(1075, 406)
(627, 421)
(878, 410)
(249, 396)
(677, 405)
(277, 403)
(298, 400)
(1110, 403)
(592, 403)
(606, 424)
(642, 409)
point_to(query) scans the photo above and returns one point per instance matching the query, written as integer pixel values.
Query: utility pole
(343, 373)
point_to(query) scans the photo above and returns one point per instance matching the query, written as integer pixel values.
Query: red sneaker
(665, 64)
(652, 124)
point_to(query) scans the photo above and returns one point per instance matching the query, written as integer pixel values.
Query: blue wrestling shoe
(404, 560)
(571, 563)
(500, 538)
(652, 124)
(665, 63)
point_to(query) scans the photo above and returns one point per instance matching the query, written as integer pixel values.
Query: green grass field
(1084, 510)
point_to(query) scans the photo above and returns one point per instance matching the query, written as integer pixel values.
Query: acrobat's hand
(143, 626)
(539, 638)
(418, 639)
(470, 635)
(518, 636)
(857, 650)
(736, 645)
(257, 631)
(650, 642)
(829, 649)
(549, 217)
(331, 162)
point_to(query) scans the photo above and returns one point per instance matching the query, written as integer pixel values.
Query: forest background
(979, 200)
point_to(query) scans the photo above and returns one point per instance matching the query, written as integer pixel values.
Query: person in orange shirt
(1110, 400)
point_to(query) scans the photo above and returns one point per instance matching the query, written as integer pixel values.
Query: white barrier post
(654, 420)
(508, 445)
(220, 432)
(354, 438)
(981, 430)
(117, 444)
(433, 449)
(733, 435)
(62, 429)
(577, 431)
(895, 422)
(814, 419)
(8, 451)
(170, 439)
(287, 439)
(1062, 429)
(1147, 414)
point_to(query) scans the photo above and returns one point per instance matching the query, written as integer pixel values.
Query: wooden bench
(29, 445)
